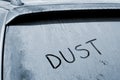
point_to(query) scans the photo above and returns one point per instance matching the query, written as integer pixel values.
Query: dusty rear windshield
(63, 49)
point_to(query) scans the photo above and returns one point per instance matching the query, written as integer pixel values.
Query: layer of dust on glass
(63, 51)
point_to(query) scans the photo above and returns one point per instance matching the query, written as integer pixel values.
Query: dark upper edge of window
(67, 16)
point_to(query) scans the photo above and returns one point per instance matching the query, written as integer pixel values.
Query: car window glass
(62, 50)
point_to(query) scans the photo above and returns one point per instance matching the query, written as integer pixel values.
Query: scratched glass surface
(63, 51)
